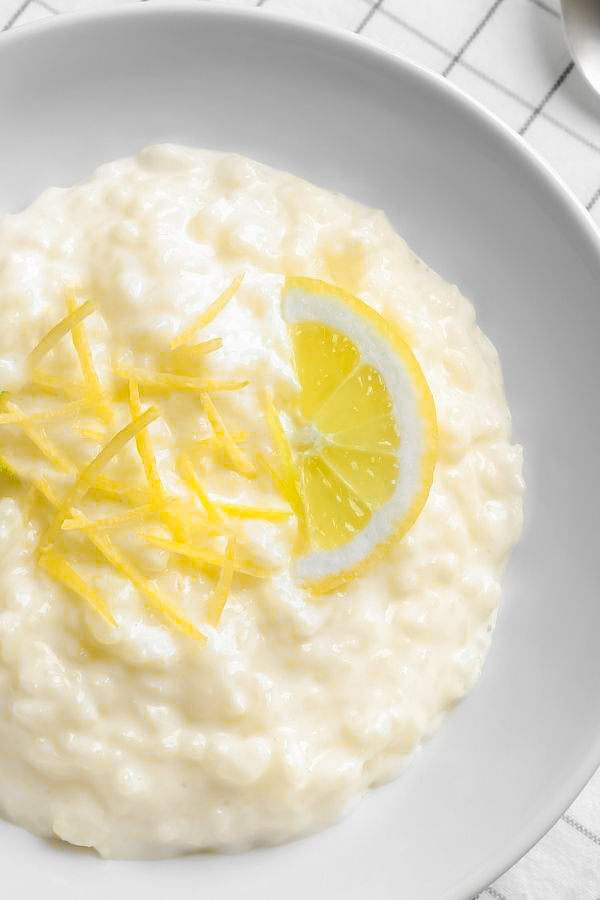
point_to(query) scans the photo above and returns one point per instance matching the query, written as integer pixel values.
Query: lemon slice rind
(382, 346)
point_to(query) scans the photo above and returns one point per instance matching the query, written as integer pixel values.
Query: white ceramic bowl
(484, 211)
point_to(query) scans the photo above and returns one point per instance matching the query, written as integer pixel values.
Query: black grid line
(17, 14)
(546, 8)
(593, 200)
(260, 2)
(560, 80)
(368, 17)
(488, 79)
(581, 829)
(47, 6)
(474, 34)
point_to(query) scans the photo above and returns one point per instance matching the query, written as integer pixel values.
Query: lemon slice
(364, 437)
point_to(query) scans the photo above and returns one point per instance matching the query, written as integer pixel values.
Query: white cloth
(511, 56)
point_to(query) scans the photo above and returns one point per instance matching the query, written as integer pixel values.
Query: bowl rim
(487, 870)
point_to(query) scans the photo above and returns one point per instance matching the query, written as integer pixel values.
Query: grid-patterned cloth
(511, 56)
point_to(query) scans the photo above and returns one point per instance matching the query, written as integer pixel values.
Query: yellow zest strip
(38, 436)
(29, 503)
(87, 476)
(138, 514)
(144, 446)
(207, 556)
(59, 330)
(94, 434)
(118, 490)
(190, 355)
(125, 568)
(218, 597)
(278, 481)
(168, 381)
(156, 602)
(88, 370)
(62, 571)
(210, 313)
(53, 384)
(190, 476)
(194, 520)
(288, 475)
(238, 458)
(238, 436)
(254, 512)
(58, 412)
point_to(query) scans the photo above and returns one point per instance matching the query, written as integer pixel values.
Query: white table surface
(511, 56)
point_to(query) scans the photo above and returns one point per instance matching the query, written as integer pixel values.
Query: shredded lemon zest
(190, 476)
(38, 436)
(287, 475)
(167, 381)
(87, 476)
(276, 478)
(154, 599)
(210, 313)
(62, 571)
(144, 446)
(238, 458)
(58, 412)
(214, 441)
(29, 503)
(53, 384)
(189, 356)
(254, 512)
(207, 556)
(218, 597)
(137, 514)
(118, 490)
(94, 434)
(86, 362)
(104, 545)
(59, 330)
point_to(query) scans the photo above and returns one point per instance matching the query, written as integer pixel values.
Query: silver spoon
(582, 28)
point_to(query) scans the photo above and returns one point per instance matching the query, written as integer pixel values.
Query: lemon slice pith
(366, 442)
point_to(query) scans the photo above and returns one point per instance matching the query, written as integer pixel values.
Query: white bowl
(484, 211)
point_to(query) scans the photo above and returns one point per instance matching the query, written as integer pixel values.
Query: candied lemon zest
(190, 476)
(62, 571)
(144, 446)
(59, 330)
(237, 457)
(207, 556)
(57, 412)
(87, 476)
(254, 512)
(137, 514)
(218, 597)
(54, 384)
(210, 313)
(86, 362)
(168, 381)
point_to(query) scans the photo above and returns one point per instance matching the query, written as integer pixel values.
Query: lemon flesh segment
(366, 476)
